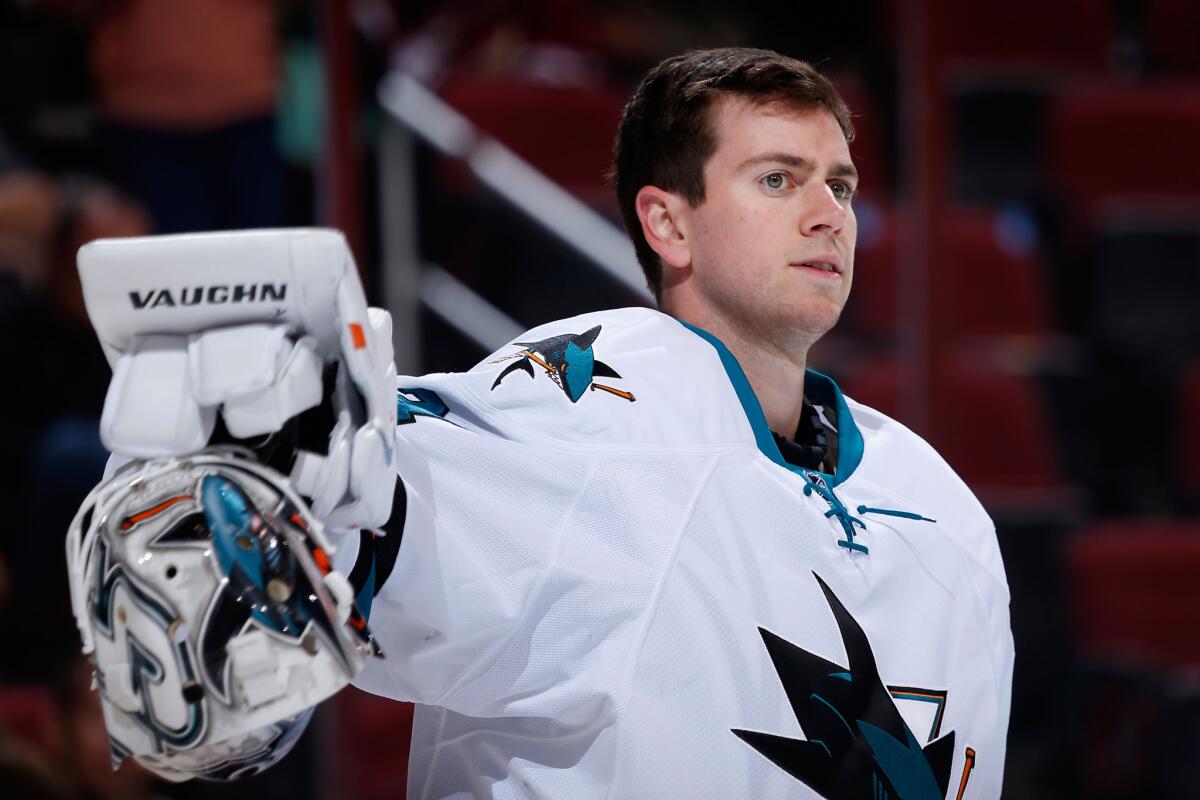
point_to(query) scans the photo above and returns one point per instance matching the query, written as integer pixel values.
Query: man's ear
(664, 224)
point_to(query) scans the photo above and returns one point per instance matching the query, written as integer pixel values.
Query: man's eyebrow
(778, 158)
(841, 170)
(845, 170)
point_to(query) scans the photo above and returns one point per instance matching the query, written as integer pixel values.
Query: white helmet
(204, 594)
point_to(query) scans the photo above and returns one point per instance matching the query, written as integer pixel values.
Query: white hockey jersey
(612, 585)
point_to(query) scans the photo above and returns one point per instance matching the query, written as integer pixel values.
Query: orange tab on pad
(357, 336)
(142, 516)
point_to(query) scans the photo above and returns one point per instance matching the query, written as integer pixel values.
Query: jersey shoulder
(906, 467)
(624, 378)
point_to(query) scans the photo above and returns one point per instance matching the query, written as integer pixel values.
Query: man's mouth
(821, 265)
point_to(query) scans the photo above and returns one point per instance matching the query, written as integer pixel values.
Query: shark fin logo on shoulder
(568, 360)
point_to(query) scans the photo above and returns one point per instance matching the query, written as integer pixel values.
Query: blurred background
(1027, 293)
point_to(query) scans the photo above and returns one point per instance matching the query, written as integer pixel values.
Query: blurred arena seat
(1013, 452)
(1107, 140)
(372, 736)
(536, 120)
(1016, 447)
(1134, 590)
(1135, 601)
(999, 288)
(1023, 35)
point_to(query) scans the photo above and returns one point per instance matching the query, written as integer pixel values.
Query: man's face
(772, 245)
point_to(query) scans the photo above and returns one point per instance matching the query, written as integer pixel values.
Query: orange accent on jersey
(968, 765)
(618, 392)
(547, 367)
(321, 559)
(141, 516)
(357, 336)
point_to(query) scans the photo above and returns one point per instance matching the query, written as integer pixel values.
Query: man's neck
(775, 374)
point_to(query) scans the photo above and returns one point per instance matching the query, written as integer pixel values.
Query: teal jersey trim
(820, 390)
(891, 512)
(745, 394)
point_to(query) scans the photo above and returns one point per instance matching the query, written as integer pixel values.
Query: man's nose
(823, 212)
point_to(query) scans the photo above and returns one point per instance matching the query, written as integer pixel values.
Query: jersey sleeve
(541, 491)
(476, 521)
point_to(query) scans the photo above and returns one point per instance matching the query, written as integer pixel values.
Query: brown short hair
(666, 135)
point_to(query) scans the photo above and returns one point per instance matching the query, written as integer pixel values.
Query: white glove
(243, 324)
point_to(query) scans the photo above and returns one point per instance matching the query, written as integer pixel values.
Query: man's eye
(774, 181)
(842, 190)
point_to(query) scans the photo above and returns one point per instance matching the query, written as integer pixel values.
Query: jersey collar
(819, 389)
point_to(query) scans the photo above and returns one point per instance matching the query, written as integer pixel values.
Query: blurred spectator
(59, 375)
(525, 38)
(29, 210)
(186, 91)
(552, 42)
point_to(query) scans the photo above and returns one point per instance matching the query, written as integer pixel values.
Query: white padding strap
(231, 362)
(150, 409)
(297, 388)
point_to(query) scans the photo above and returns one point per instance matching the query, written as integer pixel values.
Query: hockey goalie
(591, 565)
(636, 553)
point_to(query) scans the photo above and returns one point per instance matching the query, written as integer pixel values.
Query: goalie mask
(204, 594)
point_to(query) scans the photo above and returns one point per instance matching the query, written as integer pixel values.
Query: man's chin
(815, 317)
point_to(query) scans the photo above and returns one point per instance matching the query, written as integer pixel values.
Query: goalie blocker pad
(189, 283)
(244, 322)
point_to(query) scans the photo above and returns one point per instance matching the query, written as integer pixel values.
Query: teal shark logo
(568, 360)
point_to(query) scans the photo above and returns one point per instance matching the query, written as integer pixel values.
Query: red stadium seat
(566, 132)
(997, 286)
(372, 735)
(1134, 590)
(1023, 35)
(875, 383)
(1013, 451)
(1110, 141)
(1135, 604)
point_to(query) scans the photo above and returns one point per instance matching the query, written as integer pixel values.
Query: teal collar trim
(819, 389)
